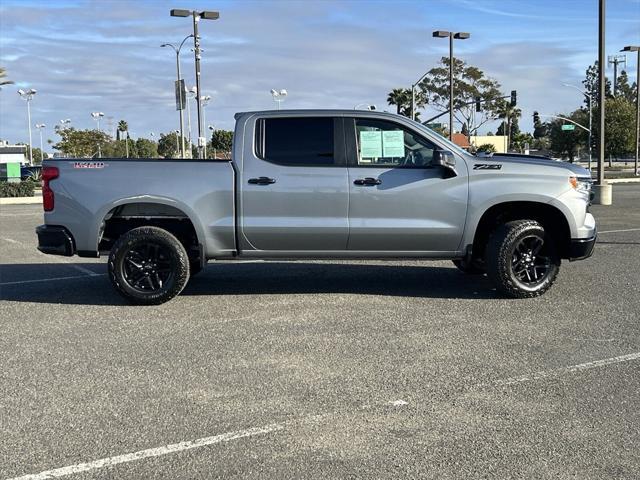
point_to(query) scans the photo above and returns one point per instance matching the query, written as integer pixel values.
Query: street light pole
(28, 95)
(182, 93)
(601, 88)
(458, 36)
(590, 105)
(413, 96)
(40, 126)
(205, 101)
(637, 50)
(206, 15)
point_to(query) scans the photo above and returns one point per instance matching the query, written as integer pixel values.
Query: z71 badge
(88, 164)
(487, 166)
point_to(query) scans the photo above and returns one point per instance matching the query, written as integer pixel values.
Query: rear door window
(301, 141)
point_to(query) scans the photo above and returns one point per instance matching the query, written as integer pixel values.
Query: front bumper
(581, 248)
(55, 240)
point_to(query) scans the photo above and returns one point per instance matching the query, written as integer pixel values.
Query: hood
(577, 170)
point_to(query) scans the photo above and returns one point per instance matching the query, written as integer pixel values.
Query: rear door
(294, 185)
(399, 201)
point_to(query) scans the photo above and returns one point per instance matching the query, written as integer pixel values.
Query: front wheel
(148, 266)
(522, 260)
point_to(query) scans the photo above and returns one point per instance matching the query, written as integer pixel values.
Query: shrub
(487, 147)
(17, 189)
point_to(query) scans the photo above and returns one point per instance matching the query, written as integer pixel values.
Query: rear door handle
(262, 181)
(367, 182)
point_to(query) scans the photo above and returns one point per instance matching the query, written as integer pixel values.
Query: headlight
(581, 184)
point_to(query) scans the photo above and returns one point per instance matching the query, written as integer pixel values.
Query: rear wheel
(522, 260)
(148, 266)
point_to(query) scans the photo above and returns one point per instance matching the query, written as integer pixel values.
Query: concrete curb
(20, 200)
(622, 180)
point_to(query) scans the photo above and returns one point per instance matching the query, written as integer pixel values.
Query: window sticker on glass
(393, 143)
(370, 144)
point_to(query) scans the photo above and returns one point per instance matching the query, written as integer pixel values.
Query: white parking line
(22, 282)
(274, 427)
(563, 370)
(624, 230)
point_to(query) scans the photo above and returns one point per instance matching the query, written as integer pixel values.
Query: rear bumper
(581, 248)
(55, 240)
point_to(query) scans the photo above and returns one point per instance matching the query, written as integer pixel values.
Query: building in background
(11, 158)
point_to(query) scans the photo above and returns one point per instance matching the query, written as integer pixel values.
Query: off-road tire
(500, 255)
(470, 268)
(173, 254)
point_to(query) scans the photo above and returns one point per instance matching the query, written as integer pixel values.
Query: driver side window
(385, 144)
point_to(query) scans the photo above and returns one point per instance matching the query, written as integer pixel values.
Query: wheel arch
(553, 220)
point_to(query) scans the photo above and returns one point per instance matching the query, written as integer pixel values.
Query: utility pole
(615, 60)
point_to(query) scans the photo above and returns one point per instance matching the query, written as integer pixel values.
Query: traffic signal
(536, 118)
(478, 106)
(594, 142)
(514, 98)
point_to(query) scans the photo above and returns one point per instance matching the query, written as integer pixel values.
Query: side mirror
(446, 159)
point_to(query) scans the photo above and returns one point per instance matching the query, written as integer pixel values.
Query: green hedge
(17, 189)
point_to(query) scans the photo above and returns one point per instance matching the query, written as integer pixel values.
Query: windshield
(442, 140)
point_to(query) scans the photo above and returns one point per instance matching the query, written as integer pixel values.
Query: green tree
(510, 116)
(401, 98)
(118, 149)
(469, 83)
(567, 143)
(221, 142)
(591, 85)
(520, 141)
(146, 148)
(168, 146)
(122, 127)
(486, 148)
(3, 80)
(81, 143)
(619, 134)
(624, 90)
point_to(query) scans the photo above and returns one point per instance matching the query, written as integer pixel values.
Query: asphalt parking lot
(321, 369)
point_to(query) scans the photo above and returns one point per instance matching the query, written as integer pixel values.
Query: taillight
(48, 174)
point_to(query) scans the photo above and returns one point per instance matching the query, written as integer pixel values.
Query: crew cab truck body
(331, 184)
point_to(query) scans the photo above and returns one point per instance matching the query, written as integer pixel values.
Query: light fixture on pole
(28, 96)
(97, 116)
(278, 96)
(40, 126)
(451, 36)
(589, 105)
(197, 16)
(180, 90)
(65, 121)
(636, 49)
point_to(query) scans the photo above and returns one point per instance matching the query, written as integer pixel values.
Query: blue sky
(104, 55)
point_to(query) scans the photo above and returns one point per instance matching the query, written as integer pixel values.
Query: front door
(399, 202)
(294, 186)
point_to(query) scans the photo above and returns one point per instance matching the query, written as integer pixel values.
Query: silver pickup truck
(320, 184)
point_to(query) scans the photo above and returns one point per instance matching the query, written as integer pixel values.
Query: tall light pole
(637, 50)
(191, 93)
(28, 96)
(40, 126)
(589, 104)
(457, 36)
(206, 15)
(278, 96)
(177, 141)
(179, 87)
(205, 101)
(602, 190)
(615, 60)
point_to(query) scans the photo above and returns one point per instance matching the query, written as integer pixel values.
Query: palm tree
(4, 81)
(509, 114)
(122, 127)
(401, 98)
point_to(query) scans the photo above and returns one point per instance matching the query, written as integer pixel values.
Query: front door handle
(367, 182)
(262, 181)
